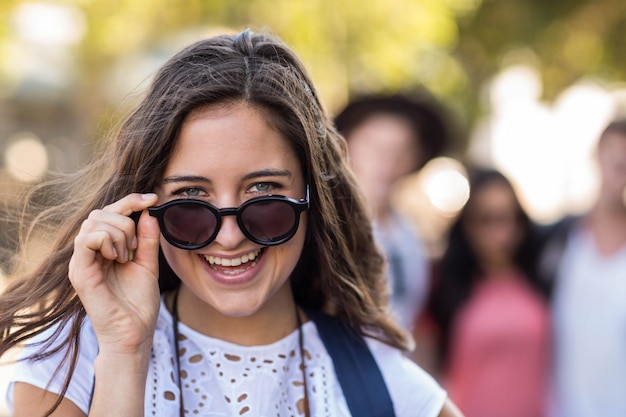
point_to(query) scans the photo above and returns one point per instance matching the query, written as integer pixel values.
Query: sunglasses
(193, 224)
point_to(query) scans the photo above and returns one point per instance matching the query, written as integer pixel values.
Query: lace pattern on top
(224, 379)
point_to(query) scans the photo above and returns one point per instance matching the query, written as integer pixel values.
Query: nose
(230, 235)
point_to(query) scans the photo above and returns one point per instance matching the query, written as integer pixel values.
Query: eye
(189, 192)
(263, 187)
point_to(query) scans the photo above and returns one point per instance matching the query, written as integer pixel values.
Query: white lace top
(225, 379)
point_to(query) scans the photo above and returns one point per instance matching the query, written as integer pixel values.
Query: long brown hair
(340, 270)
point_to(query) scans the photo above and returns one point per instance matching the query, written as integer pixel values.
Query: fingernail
(133, 243)
(148, 196)
(131, 255)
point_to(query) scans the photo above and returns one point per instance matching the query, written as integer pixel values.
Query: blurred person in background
(492, 314)
(390, 137)
(585, 262)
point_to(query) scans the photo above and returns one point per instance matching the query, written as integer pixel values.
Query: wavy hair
(459, 270)
(340, 270)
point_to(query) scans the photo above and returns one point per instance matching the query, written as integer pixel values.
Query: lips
(233, 266)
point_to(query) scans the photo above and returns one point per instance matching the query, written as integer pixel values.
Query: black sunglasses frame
(297, 205)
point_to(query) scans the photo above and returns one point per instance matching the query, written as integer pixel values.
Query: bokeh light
(26, 158)
(49, 23)
(445, 185)
(545, 149)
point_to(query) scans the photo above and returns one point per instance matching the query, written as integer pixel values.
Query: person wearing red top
(490, 309)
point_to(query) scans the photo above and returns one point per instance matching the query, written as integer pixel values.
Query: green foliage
(450, 46)
(571, 39)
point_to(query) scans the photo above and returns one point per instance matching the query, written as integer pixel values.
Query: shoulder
(553, 239)
(557, 230)
(414, 392)
(48, 372)
(38, 348)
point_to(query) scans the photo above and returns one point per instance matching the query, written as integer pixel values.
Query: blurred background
(528, 84)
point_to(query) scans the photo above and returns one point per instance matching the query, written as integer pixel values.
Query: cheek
(299, 238)
(406, 162)
(361, 162)
(174, 257)
(289, 253)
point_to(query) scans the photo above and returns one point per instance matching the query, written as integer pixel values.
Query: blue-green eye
(263, 187)
(191, 192)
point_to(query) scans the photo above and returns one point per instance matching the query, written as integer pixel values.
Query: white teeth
(216, 260)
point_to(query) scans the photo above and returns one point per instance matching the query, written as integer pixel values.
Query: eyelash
(272, 187)
(185, 192)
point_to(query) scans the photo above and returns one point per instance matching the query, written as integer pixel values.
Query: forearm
(120, 382)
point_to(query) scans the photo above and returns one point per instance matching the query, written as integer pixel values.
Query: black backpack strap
(360, 378)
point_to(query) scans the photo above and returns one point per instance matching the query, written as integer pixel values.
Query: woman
(493, 317)
(249, 222)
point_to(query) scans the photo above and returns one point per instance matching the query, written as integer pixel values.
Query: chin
(237, 309)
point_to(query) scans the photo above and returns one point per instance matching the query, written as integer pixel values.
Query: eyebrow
(184, 178)
(268, 173)
(251, 175)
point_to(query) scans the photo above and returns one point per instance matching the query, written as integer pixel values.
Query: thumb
(148, 234)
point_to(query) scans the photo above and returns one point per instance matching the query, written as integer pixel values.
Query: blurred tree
(348, 47)
(450, 46)
(565, 40)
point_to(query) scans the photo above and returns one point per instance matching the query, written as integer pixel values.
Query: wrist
(110, 362)
(120, 382)
(125, 345)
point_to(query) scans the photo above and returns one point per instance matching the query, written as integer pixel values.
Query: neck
(497, 268)
(274, 321)
(608, 227)
(383, 214)
(607, 210)
(174, 300)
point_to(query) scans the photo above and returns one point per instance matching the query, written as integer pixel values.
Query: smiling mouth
(234, 266)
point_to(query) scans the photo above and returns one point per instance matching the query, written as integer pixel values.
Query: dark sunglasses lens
(269, 221)
(190, 224)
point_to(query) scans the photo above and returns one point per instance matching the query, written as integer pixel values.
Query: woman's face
(382, 150)
(226, 155)
(492, 224)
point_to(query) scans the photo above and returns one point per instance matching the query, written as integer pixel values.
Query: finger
(132, 203)
(86, 267)
(147, 252)
(98, 241)
(118, 215)
(107, 234)
(120, 228)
